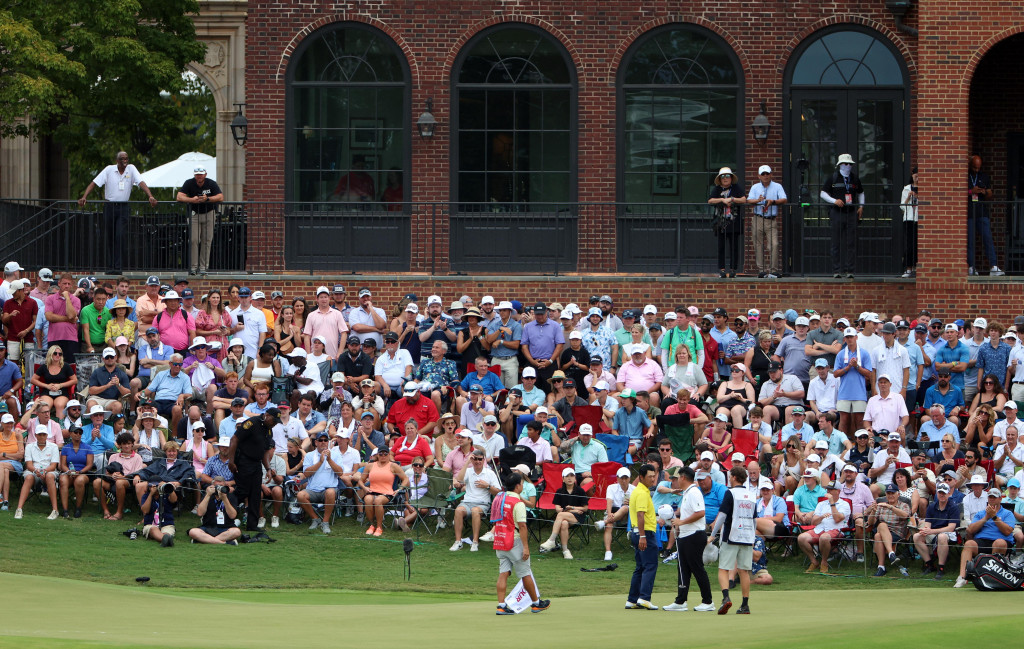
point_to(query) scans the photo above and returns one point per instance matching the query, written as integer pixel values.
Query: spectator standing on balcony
(979, 192)
(766, 196)
(844, 191)
(200, 192)
(727, 195)
(908, 204)
(117, 181)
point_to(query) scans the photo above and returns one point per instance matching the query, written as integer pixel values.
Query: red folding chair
(592, 415)
(603, 474)
(990, 469)
(745, 441)
(552, 478)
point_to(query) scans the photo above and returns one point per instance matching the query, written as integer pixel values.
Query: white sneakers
(325, 527)
(53, 516)
(704, 608)
(475, 547)
(314, 524)
(488, 538)
(546, 546)
(608, 555)
(261, 523)
(643, 603)
(456, 546)
(960, 581)
(275, 521)
(566, 554)
(676, 607)
(996, 271)
(17, 513)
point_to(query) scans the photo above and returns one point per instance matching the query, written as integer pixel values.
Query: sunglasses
(417, 465)
(176, 364)
(57, 354)
(736, 371)
(556, 380)
(791, 447)
(935, 326)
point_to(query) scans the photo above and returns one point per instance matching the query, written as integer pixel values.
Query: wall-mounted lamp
(240, 127)
(761, 126)
(426, 123)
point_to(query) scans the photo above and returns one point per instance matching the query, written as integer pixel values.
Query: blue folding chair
(521, 422)
(618, 447)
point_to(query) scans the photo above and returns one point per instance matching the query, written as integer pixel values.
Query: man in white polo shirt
(117, 181)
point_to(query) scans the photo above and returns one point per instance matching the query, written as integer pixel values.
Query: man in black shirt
(355, 365)
(217, 511)
(250, 451)
(563, 407)
(200, 192)
(844, 191)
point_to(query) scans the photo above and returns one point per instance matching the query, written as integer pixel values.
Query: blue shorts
(15, 465)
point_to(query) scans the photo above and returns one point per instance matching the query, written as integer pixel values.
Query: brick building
(575, 145)
(571, 134)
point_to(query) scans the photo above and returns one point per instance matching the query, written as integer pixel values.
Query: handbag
(710, 554)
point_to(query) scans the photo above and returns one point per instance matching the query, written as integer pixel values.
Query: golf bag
(996, 572)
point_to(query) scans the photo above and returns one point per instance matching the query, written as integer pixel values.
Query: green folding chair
(440, 497)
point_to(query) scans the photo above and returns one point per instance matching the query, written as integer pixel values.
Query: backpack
(996, 572)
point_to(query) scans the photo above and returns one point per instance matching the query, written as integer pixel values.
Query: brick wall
(596, 36)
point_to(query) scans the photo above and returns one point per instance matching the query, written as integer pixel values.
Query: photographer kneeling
(157, 504)
(218, 513)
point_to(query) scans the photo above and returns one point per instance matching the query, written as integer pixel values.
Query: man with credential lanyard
(691, 539)
(844, 191)
(735, 521)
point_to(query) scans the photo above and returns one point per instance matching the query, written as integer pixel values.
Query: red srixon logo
(520, 596)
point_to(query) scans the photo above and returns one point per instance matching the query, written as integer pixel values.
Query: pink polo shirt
(640, 377)
(174, 328)
(56, 305)
(330, 325)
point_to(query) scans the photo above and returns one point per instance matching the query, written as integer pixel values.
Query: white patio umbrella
(178, 171)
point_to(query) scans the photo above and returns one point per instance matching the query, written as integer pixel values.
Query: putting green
(145, 616)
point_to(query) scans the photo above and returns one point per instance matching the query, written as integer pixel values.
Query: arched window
(348, 118)
(514, 143)
(847, 58)
(680, 102)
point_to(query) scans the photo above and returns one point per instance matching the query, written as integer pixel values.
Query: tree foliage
(91, 72)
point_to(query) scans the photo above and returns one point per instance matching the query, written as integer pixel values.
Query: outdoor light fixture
(240, 127)
(426, 123)
(761, 126)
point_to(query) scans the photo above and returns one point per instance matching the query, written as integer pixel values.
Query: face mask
(845, 169)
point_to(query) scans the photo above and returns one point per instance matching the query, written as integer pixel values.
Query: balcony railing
(522, 238)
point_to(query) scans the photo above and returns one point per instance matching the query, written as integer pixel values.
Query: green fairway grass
(92, 549)
(143, 616)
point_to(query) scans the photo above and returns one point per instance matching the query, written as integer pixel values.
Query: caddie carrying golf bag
(996, 572)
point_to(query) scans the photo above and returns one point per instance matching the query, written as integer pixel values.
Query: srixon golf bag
(996, 572)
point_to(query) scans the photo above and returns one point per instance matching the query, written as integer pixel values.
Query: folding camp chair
(745, 441)
(439, 497)
(680, 432)
(617, 448)
(592, 415)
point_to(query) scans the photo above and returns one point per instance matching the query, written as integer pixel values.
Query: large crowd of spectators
(896, 432)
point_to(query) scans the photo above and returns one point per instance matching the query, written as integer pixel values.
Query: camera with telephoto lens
(167, 488)
(224, 489)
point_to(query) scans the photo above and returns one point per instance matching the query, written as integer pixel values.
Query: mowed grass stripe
(890, 617)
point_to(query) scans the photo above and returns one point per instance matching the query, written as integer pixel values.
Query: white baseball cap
(981, 322)
(12, 266)
(567, 471)
(412, 308)
(803, 321)
(540, 410)
(488, 299)
(575, 335)
(504, 304)
(322, 289)
(410, 388)
(197, 425)
(601, 385)
(738, 457)
(623, 472)
(849, 331)
(586, 429)
(707, 455)
(529, 372)
(171, 295)
(814, 457)
(433, 299)
(1012, 405)
(764, 169)
(650, 308)
(109, 351)
(259, 295)
(236, 341)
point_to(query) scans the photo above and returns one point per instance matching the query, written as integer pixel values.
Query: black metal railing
(522, 238)
(63, 235)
